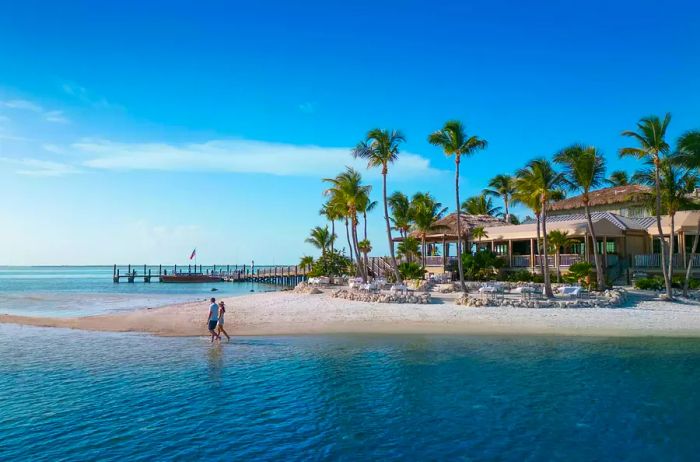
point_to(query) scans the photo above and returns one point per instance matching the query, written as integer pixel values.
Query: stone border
(609, 299)
(417, 298)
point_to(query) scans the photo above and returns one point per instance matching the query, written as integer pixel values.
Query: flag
(194, 254)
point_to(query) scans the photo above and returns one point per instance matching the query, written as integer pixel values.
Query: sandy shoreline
(287, 313)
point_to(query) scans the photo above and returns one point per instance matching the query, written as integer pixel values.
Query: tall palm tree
(454, 141)
(381, 148)
(540, 178)
(306, 263)
(502, 186)
(651, 137)
(320, 238)
(480, 205)
(531, 201)
(688, 149)
(584, 170)
(425, 211)
(347, 188)
(677, 182)
(332, 214)
(400, 207)
(558, 239)
(618, 178)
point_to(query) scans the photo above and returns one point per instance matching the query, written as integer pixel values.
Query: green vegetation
(411, 270)
(333, 263)
(482, 265)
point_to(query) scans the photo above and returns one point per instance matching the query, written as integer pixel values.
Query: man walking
(213, 319)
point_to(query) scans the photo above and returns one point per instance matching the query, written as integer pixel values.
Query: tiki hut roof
(605, 196)
(447, 226)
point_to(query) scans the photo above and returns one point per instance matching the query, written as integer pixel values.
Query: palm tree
(425, 211)
(677, 182)
(584, 170)
(531, 201)
(617, 178)
(541, 180)
(320, 238)
(400, 213)
(479, 233)
(409, 249)
(381, 148)
(480, 205)
(651, 136)
(688, 149)
(557, 240)
(306, 263)
(454, 141)
(348, 190)
(365, 247)
(331, 212)
(502, 186)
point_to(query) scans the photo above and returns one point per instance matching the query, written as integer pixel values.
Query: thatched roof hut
(631, 193)
(446, 228)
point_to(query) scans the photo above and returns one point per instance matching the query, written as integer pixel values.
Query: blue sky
(132, 133)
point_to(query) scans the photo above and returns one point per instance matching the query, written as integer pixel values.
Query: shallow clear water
(88, 290)
(87, 396)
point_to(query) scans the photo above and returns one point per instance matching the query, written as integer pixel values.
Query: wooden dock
(277, 275)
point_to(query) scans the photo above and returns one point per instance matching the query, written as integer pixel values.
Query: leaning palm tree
(400, 207)
(688, 149)
(426, 211)
(320, 238)
(617, 178)
(584, 170)
(348, 190)
(542, 181)
(381, 148)
(651, 137)
(454, 141)
(502, 186)
(480, 205)
(306, 263)
(558, 239)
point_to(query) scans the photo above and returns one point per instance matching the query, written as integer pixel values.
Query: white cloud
(308, 107)
(240, 156)
(53, 148)
(38, 167)
(82, 94)
(25, 105)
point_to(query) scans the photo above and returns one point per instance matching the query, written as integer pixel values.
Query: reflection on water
(86, 396)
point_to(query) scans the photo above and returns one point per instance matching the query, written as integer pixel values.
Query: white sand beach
(287, 313)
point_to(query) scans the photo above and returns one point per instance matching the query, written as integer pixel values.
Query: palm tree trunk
(557, 257)
(547, 283)
(388, 228)
(600, 276)
(505, 204)
(347, 234)
(671, 246)
(332, 236)
(358, 257)
(459, 228)
(664, 270)
(423, 249)
(690, 263)
(364, 216)
(537, 245)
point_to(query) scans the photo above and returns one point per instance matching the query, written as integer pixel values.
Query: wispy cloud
(38, 167)
(26, 105)
(308, 107)
(240, 156)
(87, 97)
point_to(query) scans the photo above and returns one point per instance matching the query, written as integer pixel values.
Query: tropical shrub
(649, 284)
(411, 271)
(581, 273)
(483, 264)
(520, 276)
(333, 263)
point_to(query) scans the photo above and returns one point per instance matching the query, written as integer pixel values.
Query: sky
(132, 132)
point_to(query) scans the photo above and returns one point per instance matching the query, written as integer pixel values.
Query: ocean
(73, 395)
(88, 290)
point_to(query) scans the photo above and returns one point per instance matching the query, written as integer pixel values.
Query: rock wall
(608, 299)
(419, 298)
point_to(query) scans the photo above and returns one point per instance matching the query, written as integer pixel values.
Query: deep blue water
(71, 395)
(88, 290)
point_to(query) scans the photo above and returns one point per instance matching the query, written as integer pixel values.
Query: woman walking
(220, 328)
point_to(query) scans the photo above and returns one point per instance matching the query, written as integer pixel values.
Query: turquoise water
(71, 395)
(88, 290)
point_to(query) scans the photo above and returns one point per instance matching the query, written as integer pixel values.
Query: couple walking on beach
(215, 320)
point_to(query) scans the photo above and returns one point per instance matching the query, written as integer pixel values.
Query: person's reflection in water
(215, 361)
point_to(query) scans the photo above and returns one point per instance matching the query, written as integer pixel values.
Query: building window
(578, 248)
(501, 249)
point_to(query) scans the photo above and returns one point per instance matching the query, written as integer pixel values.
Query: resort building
(626, 243)
(626, 201)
